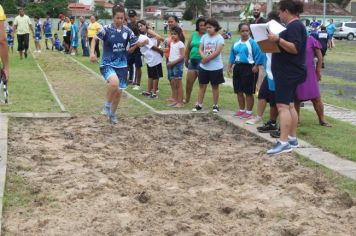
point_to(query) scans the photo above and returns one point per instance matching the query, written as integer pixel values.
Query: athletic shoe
(73, 54)
(215, 109)
(146, 94)
(197, 108)
(267, 127)
(39, 51)
(279, 148)
(239, 113)
(106, 111)
(113, 119)
(153, 95)
(246, 116)
(275, 133)
(254, 121)
(293, 143)
(136, 87)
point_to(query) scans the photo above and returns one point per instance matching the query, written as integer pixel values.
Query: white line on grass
(127, 93)
(63, 109)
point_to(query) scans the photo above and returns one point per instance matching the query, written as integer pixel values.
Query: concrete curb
(37, 115)
(3, 159)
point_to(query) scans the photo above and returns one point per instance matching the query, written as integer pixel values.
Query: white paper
(260, 31)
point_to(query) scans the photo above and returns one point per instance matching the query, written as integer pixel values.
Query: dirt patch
(181, 175)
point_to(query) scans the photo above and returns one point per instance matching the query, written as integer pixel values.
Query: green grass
(28, 89)
(337, 99)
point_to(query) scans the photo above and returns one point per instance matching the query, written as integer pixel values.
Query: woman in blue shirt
(245, 55)
(289, 70)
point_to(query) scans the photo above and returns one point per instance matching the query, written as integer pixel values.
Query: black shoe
(146, 94)
(275, 133)
(153, 96)
(267, 127)
(215, 108)
(25, 53)
(197, 108)
(323, 65)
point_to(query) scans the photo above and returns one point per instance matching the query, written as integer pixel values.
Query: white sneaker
(39, 51)
(254, 121)
(73, 54)
(136, 87)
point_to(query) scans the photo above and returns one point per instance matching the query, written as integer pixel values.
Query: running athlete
(115, 36)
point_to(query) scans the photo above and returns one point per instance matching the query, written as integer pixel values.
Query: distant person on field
(314, 27)
(74, 37)
(83, 30)
(93, 28)
(323, 38)
(330, 28)
(67, 26)
(38, 34)
(9, 36)
(47, 30)
(57, 43)
(4, 53)
(257, 15)
(22, 26)
(165, 27)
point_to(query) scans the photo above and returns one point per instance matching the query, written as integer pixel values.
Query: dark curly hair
(295, 7)
(179, 31)
(201, 19)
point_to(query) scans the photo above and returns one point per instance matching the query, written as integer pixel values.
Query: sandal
(325, 124)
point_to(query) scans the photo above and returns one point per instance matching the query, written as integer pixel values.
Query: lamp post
(324, 12)
(210, 10)
(141, 9)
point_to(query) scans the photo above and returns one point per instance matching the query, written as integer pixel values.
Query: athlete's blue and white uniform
(38, 31)
(10, 39)
(47, 26)
(114, 59)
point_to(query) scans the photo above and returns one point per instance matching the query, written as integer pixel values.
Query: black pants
(97, 50)
(23, 40)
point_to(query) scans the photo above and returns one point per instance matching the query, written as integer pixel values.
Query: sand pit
(181, 175)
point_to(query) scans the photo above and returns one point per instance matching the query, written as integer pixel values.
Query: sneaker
(279, 148)
(215, 109)
(197, 108)
(113, 119)
(293, 143)
(239, 113)
(153, 95)
(106, 111)
(136, 87)
(146, 94)
(246, 116)
(275, 133)
(39, 51)
(267, 127)
(254, 121)
(73, 54)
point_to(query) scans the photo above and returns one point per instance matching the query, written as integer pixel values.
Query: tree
(101, 12)
(196, 7)
(35, 9)
(188, 14)
(9, 6)
(130, 4)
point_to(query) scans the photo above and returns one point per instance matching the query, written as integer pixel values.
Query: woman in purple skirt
(309, 90)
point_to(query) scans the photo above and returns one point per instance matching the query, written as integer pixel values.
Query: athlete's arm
(93, 57)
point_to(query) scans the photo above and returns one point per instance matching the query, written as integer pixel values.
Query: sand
(177, 175)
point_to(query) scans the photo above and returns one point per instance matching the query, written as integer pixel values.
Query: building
(79, 9)
(92, 3)
(351, 7)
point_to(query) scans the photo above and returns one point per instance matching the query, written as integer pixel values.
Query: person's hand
(186, 62)
(204, 60)
(273, 37)
(229, 71)
(6, 72)
(318, 75)
(255, 69)
(169, 65)
(258, 85)
(93, 58)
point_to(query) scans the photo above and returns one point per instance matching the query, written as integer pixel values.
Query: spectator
(83, 29)
(47, 30)
(93, 28)
(330, 28)
(257, 15)
(22, 26)
(67, 26)
(10, 38)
